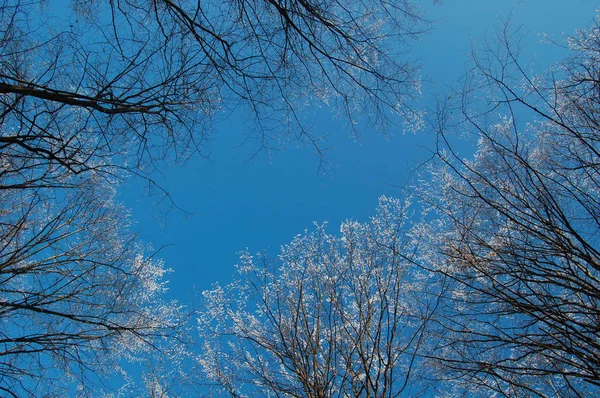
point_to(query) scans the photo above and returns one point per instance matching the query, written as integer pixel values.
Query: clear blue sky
(262, 203)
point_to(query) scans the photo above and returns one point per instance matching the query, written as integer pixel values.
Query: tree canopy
(516, 226)
(331, 317)
(84, 85)
(488, 284)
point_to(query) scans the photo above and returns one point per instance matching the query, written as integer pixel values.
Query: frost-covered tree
(77, 295)
(517, 226)
(330, 317)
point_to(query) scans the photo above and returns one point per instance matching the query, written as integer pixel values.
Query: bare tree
(81, 87)
(518, 225)
(333, 317)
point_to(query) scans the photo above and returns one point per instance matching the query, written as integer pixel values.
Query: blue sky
(233, 203)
